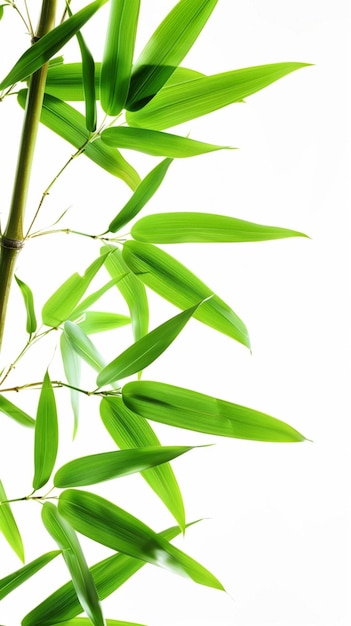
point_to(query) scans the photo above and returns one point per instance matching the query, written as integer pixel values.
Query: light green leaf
(166, 48)
(45, 435)
(94, 297)
(72, 367)
(69, 124)
(2, 10)
(113, 527)
(129, 430)
(14, 580)
(99, 321)
(179, 103)
(143, 193)
(15, 413)
(118, 54)
(83, 345)
(204, 227)
(195, 411)
(8, 525)
(85, 621)
(174, 282)
(41, 51)
(27, 294)
(146, 350)
(72, 553)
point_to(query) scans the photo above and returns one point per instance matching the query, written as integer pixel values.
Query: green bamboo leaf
(85, 621)
(118, 54)
(14, 580)
(110, 525)
(72, 368)
(174, 282)
(27, 294)
(188, 409)
(99, 321)
(45, 435)
(72, 553)
(45, 48)
(2, 10)
(204, 228)
(166, 48)
(94, 297)
(181, 103)
(131, 288)
(83, 345)
(97, 468)
(69, 124)
(8, 525)
(108, 575)
(129, 430)
(64, 300)
(143, 193)
(15, 413)
(146, 350)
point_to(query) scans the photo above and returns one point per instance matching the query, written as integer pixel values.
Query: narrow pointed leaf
(94, 297)
(146, 350)
(45, 435)
(118, 54)
(174, 282)
(113, 527)
(41, 51)
(166, 48)
(72, 367)
(69, 124)
(14, 580)
(99, 321)
(143, 193)
(83, 345)
(8, 525)
(179, 103)
(129, 430)
(9, 409)
(27, 294)
(83, 582)
(188, 409)
(204, 227)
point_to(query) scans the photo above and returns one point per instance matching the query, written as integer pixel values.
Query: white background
(279, 515)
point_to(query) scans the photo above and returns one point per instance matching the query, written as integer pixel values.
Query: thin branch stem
(57, 384)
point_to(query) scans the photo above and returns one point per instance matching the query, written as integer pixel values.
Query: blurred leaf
(118, 54)
(204, 227)
(82, 621)
(2, 10)
(15, 413)
(143, 193)
(166, 48)
(174, 282)
(113, 527)
(69, 124)
(45, 435)
(8, 525)
(83, 582)
(97, 322)
(146, 350)
(129, 430)
(72, 367)
(27, 294)
(45, 48)
(195, 411)
(83, 346)
(94, 297)
(14, 580)
(179, 103)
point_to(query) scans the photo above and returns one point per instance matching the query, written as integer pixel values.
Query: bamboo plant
(102, 107)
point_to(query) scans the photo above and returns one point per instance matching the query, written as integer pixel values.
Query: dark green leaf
(46, 435)
(85, 621)
(27, 294)
(99, 321)
(2, 10)
(195, 411)
(8, 525)
(15, 413)
(72, 367)
(174, 282)
(14, 580)
(166, 48)
(83, 345)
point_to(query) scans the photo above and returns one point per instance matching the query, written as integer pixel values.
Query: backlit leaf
(99, 321)
(72, 367)
(9, 409)
(8, 525)
(14, 580)
(94, 297)
(45, 435)
(83, 345)
(27, 294)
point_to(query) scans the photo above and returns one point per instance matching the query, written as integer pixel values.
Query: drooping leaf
(69, 124)
(118, 54)
(72, 367)
(174, 282)
(188, 409)
(81, 343)
(94, 297)
(45, 48)
(204, 227)
(8, 525)
(27, 294)
(99, 321)
(166, 48)
(113, 527)
(45, 435)
(146, 350)
(14, 580)
(9, 409)
(183, 102)
(143, 193)
(83, 582)
(129, 430)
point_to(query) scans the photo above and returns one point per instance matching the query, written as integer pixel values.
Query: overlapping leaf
(100, 321)
(94, 297)
(13, 411)
(8, 525)
(81, 343)
(27, 294)
(14, 580)
(45, 435)
(72, 367)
